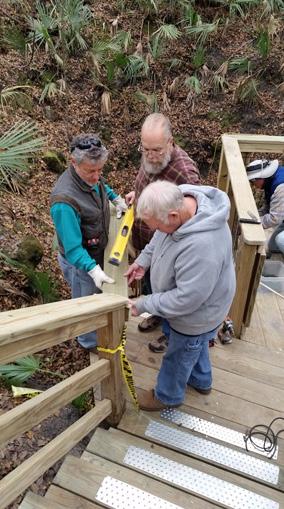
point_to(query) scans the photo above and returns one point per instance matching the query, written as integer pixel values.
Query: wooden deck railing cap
(253, 233)
(18, 324)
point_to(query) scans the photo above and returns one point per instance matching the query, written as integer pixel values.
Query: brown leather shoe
(148, 401)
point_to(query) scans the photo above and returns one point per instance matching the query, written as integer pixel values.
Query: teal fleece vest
(93, 209)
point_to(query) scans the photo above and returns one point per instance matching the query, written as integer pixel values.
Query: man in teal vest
(80, 212)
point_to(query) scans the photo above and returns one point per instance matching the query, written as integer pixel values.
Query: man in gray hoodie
(192, 278)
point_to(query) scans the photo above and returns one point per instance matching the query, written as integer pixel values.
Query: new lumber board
(67, 499)
(33, 501)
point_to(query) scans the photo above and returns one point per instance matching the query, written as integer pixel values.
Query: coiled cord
(265, 433)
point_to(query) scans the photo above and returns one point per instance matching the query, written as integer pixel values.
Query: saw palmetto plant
(202, 31)
(17, 146)
(58, 27)
(241, 65)
(23, 369)
(237, 7)
(37, 283)
(247, 91)
(15, 96)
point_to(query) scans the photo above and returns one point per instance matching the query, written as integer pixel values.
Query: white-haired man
(161, 159)
(193, 282)
(80, 212)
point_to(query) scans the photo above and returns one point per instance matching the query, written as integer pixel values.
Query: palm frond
(194, 84)
(15, 95)
(167, 32)
(73, 16)
(156, 47)
(246, 91)
(150, 99)
(15, 39)
(263, 43)
(17, 145)
(240, 64)
(202, 31)
(136, 67)
(220, 83)
(198, 58)
(21, 370)
(191, 17)
(123, 39)
(237, 7)
(272, 6)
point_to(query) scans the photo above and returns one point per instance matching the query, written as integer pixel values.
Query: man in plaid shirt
(161, 159)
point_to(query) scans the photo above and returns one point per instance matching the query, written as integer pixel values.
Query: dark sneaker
(159, 345)
(202, 391)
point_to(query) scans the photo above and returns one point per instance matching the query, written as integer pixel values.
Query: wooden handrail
(23, 332)
(243, 197)
(15, 326)
(261, 143)
(248, 239)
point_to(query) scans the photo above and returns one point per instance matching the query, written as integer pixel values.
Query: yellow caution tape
(125, 365)
(24, 391)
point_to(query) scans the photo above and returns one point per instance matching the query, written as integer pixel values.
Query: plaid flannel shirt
(180, 170)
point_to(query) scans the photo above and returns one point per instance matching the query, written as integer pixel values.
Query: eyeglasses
(156, 151)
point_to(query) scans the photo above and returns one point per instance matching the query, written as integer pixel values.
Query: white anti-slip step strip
(200, 483)
(213, 430)
(120, 495)
(219, 454)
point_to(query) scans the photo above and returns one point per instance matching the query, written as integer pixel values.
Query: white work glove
(120, 206)
(99, 276)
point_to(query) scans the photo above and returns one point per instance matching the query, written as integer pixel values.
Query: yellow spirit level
(122, 237)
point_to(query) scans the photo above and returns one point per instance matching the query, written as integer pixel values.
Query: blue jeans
(186, 362)
(81, 285)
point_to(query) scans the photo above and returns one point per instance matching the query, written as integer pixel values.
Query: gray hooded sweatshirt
(192, 269)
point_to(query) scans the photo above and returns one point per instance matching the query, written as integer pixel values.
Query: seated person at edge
(269, 176)
(80, 212)
(192, 279)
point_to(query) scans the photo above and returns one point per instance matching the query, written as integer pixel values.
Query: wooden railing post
(222, 173)
(245, 259)
(112, 387)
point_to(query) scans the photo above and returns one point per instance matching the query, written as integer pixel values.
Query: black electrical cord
(265, 433)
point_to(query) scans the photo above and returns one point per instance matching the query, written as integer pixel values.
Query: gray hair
(158, 199)
(158, 120)
(88, 146)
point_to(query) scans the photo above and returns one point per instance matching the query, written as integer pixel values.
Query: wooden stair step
(116, 445)
(67, 499)
(84, 477)
(33, 501)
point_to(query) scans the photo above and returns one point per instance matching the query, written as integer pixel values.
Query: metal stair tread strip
(211, 429)
(114, 445)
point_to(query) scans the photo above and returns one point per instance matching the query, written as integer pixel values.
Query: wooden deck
(248, 389)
